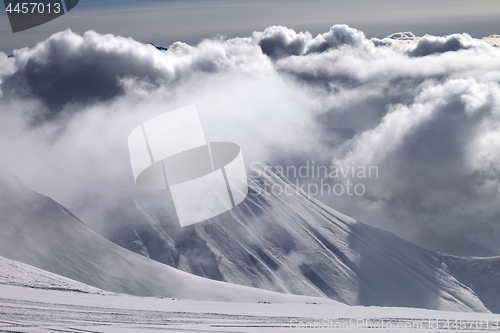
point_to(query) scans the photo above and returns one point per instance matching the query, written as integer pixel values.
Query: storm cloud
(425, 111)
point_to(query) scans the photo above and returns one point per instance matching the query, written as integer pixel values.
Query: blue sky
(166, 21)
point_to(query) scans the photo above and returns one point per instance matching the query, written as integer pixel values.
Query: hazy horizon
(165, 22)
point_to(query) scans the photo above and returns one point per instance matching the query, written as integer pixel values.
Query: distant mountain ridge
(159, 48)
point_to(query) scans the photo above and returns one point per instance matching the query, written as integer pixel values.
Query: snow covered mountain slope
(285, 243)
(482, 275)
(39, 232)
(294, 244)
(15, 273)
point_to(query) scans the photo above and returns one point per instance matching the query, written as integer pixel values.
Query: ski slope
(33, 300)
(40, 310)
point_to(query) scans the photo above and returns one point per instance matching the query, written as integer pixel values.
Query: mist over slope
(425, 111)
(39, 232)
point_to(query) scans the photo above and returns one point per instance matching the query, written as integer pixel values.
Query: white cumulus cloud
(425, 111)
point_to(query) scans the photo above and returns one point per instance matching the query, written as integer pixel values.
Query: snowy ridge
(293, 244)
(409, 37)
(39, 232)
